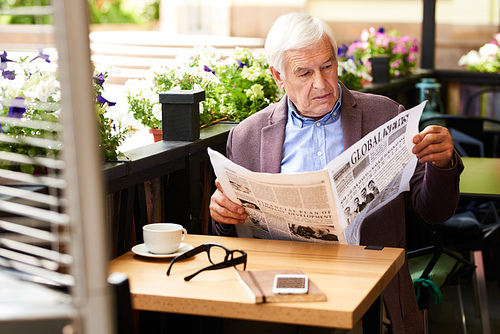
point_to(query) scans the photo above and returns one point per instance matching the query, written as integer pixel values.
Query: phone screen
(290, 284)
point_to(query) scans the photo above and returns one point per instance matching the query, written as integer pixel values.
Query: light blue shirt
(309, 144)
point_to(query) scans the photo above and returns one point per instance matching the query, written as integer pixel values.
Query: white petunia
(251, 73)
(157, 111)
(43, 90)
(488, 50)
(134, 87)
(471, 58)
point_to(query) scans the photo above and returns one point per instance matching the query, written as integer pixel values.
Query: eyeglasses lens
(217, 254)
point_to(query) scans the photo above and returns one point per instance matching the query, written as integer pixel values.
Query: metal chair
(124, 317)
(484, 102)
(464, 232)
(483, 129)
(432, 266)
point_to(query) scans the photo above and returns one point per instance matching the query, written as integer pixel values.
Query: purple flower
(17, 107)
(342, 52)
(11, 75)
(99, 79)
(16, 110)
(103, 101)
(240, 64)
(3, 61)
(41, 55)
(381, 30)
(207, 69)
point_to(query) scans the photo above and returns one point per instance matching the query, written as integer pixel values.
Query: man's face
(310, 80)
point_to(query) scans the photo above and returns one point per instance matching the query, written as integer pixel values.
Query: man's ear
(277, 77)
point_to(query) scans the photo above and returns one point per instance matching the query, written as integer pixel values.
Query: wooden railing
(185, 176)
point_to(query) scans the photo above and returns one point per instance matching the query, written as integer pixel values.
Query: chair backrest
(474, 135)
(124, 316)
(464, 144)
(484, 102)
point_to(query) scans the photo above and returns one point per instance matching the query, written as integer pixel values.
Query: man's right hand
(225, 211)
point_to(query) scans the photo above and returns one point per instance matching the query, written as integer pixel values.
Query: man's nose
(318, 80)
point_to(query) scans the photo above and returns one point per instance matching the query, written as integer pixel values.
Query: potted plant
(400, 50)
(235, 87)
(29, 91)
(353, 73)
(486, 59)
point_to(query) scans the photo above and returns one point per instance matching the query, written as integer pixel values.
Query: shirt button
(318, 124)
(319, 153)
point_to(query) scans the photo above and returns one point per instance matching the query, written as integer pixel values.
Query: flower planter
(157, 134)
(380, 69)
(181, 115)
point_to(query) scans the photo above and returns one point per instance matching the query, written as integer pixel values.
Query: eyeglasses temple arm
(221, 265)
(185, 255)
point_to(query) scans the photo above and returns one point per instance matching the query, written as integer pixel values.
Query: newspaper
(328, 205)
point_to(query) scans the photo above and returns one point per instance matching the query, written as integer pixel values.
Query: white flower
(134, 87)
(488, 50)
(349, 66)
(157, 111)
(154, 71)
(471, 58)
(43, 90)
(242, 53)
(255, 92)
(107, 69)
(251, 73)
(208, 54)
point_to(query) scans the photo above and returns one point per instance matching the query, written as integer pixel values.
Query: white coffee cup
(163, 238)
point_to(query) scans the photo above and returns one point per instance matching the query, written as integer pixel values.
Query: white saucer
(142, 250)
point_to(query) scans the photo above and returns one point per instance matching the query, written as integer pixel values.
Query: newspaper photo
(328, 205)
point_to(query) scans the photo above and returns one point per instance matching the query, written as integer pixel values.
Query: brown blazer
(257, 143)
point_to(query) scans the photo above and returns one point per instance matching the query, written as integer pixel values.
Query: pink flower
(382, 40)
(396, 63)
(405, 39)
(365, 35)
(400, 49)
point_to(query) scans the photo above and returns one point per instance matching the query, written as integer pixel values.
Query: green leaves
(235, 87)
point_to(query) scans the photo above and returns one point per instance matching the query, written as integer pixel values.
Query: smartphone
(290, 284)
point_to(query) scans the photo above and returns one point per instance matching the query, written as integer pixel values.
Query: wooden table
(352, 277)
(480, 179)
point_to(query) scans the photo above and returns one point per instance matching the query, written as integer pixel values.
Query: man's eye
(304, 74)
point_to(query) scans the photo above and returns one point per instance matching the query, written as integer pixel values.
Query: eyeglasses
(223, 257)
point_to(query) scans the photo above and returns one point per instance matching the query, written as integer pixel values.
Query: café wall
(460, 27)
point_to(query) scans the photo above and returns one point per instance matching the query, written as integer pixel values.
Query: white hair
(295, 31)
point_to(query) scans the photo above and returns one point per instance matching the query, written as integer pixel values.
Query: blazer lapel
(351, 118)
(273, 138)
(273, 135)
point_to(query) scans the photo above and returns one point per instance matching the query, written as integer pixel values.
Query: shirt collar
(328, 118)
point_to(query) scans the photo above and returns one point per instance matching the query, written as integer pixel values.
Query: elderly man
(315, 121)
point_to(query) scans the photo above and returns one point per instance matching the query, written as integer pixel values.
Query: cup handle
(184, 233)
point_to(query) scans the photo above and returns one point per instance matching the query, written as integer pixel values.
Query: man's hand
(434, 144)
(225, 211)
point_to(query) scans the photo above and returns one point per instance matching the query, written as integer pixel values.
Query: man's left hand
(434, 144)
